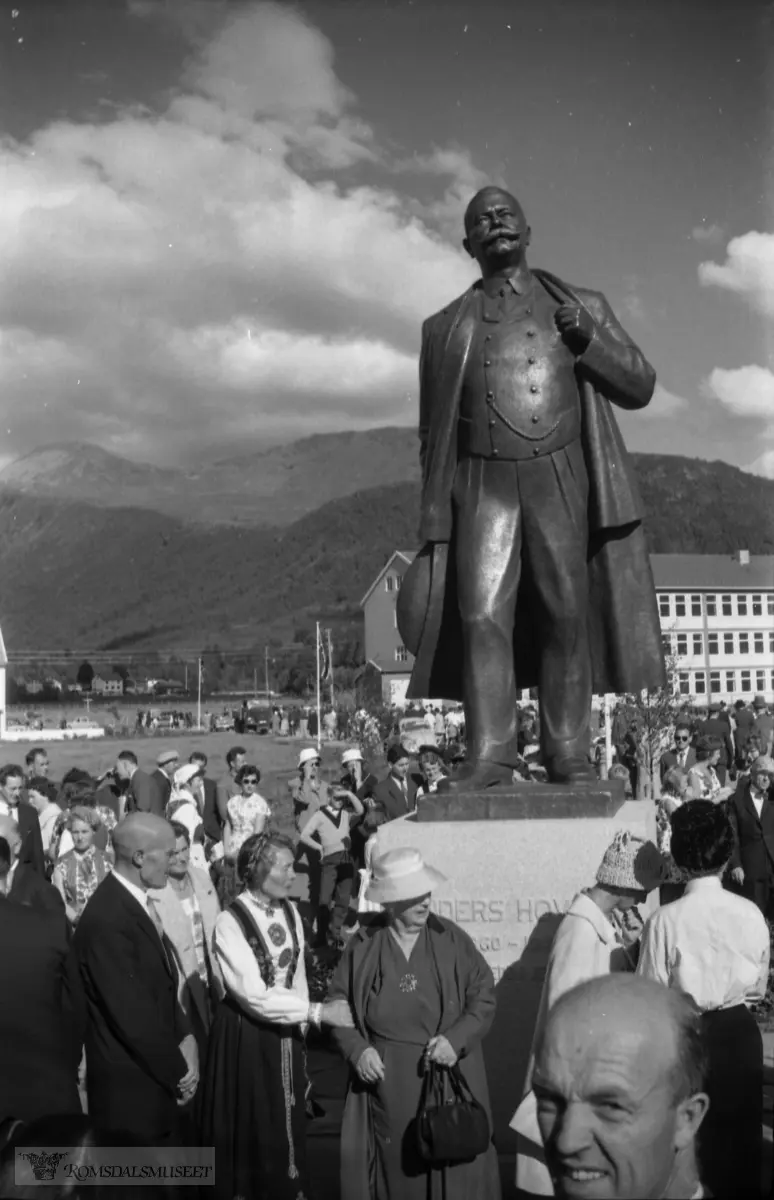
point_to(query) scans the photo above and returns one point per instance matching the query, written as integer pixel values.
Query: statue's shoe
(475, 777)
(571, 770)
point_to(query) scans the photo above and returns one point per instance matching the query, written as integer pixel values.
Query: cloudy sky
(224, 221)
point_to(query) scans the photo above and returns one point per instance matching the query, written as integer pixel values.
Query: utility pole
(186, 679)
(330, 669)
(266, 670)
(318, 647)
(199, 697)
(255, 682)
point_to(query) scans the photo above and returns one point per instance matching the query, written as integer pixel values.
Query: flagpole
(330, 668)
(319, 713)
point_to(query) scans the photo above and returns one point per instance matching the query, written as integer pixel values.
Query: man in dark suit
(142, 793)
(717, 726)
(396, 795)
(213, 826)
(166, 765)
(38, 766)
(12, 805)
(42, 1009)
(744, 719)
(141, 1057)
(682, 753)
(751, 810)
(25, 885)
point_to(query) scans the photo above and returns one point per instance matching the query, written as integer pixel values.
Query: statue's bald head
(143, 845)
(490, 196)
(640, 1046)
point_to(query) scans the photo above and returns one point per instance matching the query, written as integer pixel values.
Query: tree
(85, 676)
(656, 714)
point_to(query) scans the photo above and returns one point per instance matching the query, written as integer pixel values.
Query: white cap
(308, 755)
(350, 756)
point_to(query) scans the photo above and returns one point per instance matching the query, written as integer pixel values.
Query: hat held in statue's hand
(422, 582)
(399, 875)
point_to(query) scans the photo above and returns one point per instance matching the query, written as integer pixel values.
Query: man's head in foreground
(619, 1077)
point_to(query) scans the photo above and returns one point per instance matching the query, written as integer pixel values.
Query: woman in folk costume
(598, 934)
(420, 993)
(80, 871)
(254, 1084)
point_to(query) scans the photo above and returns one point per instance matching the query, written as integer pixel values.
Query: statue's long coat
(624, 628)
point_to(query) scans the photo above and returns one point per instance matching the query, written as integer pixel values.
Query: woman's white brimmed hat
(308, 755)
(186, 773)
(350, 756)
(401, 874)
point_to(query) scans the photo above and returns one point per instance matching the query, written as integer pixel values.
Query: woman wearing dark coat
(420, 993)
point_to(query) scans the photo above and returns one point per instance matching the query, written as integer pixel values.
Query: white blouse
(711, 944)
(242, 976)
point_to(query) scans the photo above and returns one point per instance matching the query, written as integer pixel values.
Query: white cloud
(763, 465)
(138, 253)
(746, 391)
(748, 270)
(707, 233)
(664, 403)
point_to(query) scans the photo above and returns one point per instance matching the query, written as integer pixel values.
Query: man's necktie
(153, 913)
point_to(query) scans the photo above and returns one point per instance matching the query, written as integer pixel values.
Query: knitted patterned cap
(631, 862)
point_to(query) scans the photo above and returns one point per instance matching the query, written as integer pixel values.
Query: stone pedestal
(514, 859)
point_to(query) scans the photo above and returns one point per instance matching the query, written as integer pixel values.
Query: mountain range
(100, 552)
(273, 485)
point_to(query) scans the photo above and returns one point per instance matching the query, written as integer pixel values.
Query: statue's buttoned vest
(520, 395)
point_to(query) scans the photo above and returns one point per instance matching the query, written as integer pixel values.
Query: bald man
(534, 570)
(619, 1081)
(141, 1057)
(25, 885)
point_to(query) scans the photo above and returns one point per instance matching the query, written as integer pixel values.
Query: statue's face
(496, 229)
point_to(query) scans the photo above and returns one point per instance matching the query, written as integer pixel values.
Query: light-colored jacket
(177, 927)
(586, 946)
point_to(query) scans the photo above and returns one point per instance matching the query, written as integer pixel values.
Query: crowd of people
(165, 941)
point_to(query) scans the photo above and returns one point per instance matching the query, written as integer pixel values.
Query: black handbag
(451, 1125)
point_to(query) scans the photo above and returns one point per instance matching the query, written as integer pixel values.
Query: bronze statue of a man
(534, 569)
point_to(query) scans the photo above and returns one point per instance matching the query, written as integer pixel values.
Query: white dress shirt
(757, 799)
(140, 896)
(711, 944)
(242, 976)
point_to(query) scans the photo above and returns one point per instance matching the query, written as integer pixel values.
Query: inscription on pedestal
(503, 928)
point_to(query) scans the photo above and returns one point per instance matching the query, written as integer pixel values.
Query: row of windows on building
(694, 683)
(392, 583)
(717, 643)
(740, 604)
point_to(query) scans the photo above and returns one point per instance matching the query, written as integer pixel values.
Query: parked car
(224, 723)
(166, 720)
(416, 731)
(258, 720)
(83, 723)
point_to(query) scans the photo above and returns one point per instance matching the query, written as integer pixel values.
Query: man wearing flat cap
(534, 569)
(166, 764)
